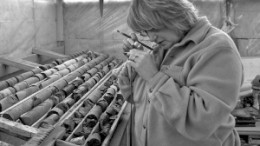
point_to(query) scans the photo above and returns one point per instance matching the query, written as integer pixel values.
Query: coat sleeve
(205, 102)
(125, 79)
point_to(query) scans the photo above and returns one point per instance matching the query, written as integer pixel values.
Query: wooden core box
(74, 100)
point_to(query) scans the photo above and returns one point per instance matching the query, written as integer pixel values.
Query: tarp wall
(85, 29)
(246, 14)
(25, 24)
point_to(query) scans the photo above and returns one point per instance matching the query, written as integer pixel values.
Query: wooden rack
(15, 133)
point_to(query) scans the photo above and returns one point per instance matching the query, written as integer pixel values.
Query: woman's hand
(129, 44)
(125, 77)
(143, 63)
(140, 60)
(125, 74)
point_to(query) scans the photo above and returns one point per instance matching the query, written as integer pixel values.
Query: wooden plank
(4, 144)
(248, 130)
(10, 140)
(59, 22)
(13, 136)
(18, 63)
(17, 128)
(63, 143)
(33, 58)
(48, 53)
(117, 130)
(57, 133)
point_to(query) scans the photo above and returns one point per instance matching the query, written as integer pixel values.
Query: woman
(182, 92)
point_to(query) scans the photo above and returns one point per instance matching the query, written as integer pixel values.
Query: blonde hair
(178, 15)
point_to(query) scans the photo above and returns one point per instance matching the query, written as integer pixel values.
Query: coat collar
(197, 32)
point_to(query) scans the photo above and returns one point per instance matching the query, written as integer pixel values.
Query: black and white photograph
(130, 73)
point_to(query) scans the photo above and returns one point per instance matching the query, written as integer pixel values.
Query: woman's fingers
(138, 45)
(134, 56)
(127, 44)
(131, 42)
(143, 63)
(137, 52)
(134, 37)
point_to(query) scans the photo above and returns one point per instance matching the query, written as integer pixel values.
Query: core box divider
(71, 111)
(32, 95)
(96, 128)
(85, 117)
(36, 124)
(79, 102)
(114, 125)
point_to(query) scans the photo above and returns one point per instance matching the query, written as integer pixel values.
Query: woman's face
(166, 38)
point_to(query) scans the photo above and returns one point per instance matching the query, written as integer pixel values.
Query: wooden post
(48, 53)
(59, 24)
(19, 63)
(17, 128)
